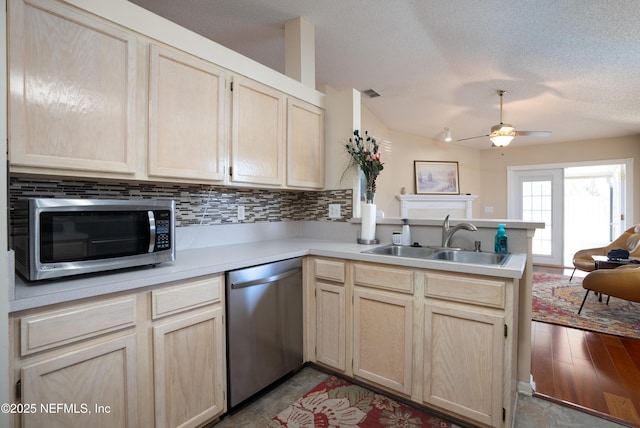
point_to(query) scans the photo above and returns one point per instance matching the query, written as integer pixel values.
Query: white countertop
(210, 260)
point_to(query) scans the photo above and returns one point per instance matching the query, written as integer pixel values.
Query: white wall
(494, 164)
(483, 172)
(400, 150)
(4, 273)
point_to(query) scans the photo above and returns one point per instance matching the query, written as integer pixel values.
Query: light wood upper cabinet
(89, 98)
(305, 145)
(257, 133)
(72, 91)
(186, 117)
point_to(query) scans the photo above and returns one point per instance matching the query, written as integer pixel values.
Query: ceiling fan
(502, 133)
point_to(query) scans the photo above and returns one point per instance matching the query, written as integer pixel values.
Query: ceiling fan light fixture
(447, 135)
(502, 133)
(502, 129)
(501, 140)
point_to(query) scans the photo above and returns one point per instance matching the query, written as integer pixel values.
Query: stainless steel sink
(440, 253)
(471, 257)
(402, 251)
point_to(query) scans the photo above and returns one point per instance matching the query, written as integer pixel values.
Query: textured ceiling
(569, 66)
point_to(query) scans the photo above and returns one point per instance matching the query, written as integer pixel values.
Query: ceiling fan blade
(471, 138)
(534, 133)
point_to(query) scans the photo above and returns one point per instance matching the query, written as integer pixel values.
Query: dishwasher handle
(272, 278)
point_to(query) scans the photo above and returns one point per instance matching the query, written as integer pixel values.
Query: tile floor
(531, 412)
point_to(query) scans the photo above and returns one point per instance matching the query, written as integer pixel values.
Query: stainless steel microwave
(59, 237)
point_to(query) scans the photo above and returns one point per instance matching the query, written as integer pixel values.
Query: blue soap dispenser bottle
(501, 244)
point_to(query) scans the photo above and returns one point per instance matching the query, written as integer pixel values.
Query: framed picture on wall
(436, 178)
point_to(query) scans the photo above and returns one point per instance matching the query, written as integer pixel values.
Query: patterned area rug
(335, 402)
(556, 301)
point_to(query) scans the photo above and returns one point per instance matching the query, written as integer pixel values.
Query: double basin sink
(441, 253)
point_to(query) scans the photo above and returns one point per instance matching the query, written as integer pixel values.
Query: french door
(582, 204)
(537, 196)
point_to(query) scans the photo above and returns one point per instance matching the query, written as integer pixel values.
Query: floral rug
(556, 301)
(335, 402)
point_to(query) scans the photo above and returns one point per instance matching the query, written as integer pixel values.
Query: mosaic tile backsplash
(196, 204)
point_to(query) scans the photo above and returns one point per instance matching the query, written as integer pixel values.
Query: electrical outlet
(334, 211)
(240, 212)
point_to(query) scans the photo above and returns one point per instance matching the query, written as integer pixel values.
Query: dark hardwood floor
(595, 371)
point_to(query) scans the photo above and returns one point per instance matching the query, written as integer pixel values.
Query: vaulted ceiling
(571, 67)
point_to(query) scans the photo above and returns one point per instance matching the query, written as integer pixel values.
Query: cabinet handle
(272, 278)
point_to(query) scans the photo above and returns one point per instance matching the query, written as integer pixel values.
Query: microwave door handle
(152, 231)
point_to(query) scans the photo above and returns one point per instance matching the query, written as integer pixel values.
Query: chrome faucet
(447, 232)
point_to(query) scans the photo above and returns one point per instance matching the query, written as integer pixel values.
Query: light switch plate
(334, 211)
(240, 212)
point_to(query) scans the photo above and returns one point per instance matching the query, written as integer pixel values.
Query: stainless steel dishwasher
(264, 326)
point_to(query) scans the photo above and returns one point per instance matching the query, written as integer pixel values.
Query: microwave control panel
(163, 230)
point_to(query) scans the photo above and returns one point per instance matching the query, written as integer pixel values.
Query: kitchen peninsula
(341, 285)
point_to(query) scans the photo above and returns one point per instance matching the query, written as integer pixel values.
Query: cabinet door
(305, 145)
(258, 133)
(186, 117)
(72, 91)
(97, 385)
(463, 360)
(330, 325)
(383, 338)
(189, 369)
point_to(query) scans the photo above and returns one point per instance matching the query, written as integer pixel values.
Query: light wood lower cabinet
(146, 358)
(94, 386)
(441, 339)
(383, 325)
(469, 334)
(330, 325)
(328, 277)
(463, 361)
(383, 338)
(188, 373)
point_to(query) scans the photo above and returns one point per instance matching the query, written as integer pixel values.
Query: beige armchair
(622, 282)
(629, 240)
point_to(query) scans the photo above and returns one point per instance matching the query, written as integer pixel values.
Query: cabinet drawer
(466, 289)
(333, 270)
(388, 278)
(50, 329)
(187, 295)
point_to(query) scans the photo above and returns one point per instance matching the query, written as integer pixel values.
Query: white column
(343, 116)
(300, 51)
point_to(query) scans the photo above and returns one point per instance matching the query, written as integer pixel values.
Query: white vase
(368, 227)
